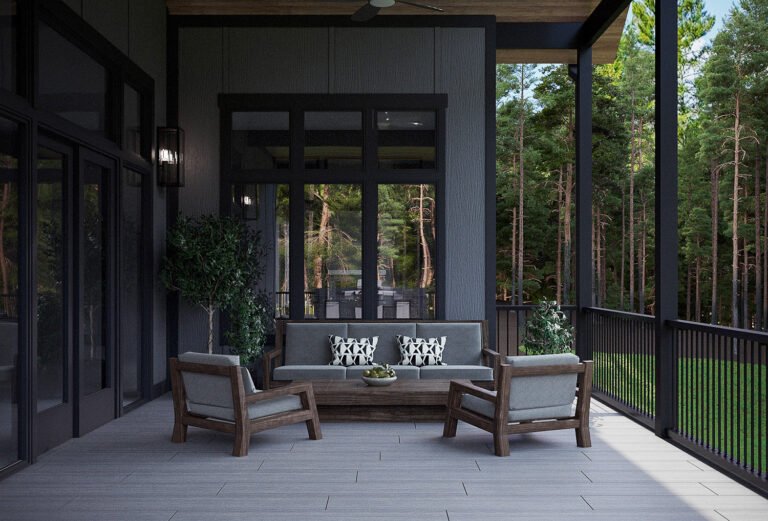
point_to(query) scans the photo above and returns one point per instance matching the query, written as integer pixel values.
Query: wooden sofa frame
(275, 357)
(498, 425)
(242, 427)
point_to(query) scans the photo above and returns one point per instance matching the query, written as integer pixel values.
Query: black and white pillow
(352, 351)
(421, 351)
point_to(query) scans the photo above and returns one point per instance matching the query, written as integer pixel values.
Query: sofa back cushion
(387, 350)
(209, 389)
(463, 342)
(532, 392)
(307, 343)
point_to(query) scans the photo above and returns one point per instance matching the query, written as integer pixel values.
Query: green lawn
(721, 404)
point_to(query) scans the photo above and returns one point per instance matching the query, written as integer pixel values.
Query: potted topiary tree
(250, 318)
(547, 331)
(211, 261)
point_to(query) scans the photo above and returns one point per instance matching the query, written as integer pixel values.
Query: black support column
(666, 213)
(583, 199)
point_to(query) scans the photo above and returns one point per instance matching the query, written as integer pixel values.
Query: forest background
(723, 171)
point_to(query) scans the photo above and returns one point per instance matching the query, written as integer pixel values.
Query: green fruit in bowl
(380, 371)
(367, 373)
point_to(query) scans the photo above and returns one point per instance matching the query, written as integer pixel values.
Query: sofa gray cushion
(310, 372)
(210, 389)
(256, 410)
(464, 341)
(404, 372)
(534, 392)
(456, 372)
(387, 350)
(307, 344)
(486, 408)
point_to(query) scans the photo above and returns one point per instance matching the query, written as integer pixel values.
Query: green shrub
(547, 331)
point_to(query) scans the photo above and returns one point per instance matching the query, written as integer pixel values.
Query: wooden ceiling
(553, 11)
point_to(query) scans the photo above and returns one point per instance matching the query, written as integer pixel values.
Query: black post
(583, 200)
(666, 213)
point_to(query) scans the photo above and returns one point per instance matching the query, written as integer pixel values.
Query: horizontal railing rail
(623, 349)
(722, 396)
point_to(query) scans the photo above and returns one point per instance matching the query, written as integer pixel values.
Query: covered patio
(89, 328)
(128, 470)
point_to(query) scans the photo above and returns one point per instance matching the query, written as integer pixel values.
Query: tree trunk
(758, 246)
(567, 242)
(595, 255)
(323, 237)
(426, 272)
(521, 227)
(211, 311)
(714, 210)
(688, 290)
(559, 257)
(697, 315)
(735, 219)
(623, 245)
(642, 259)
(631, 215)
(513, 256)
(765, 239)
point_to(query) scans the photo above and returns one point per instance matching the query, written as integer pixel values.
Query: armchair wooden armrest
(474, 390)
(491, 358)
(268, 357)
(297, 388)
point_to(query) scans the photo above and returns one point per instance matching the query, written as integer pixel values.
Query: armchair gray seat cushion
(256, 410)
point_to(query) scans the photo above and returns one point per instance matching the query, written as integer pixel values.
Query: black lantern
(246, 200)
(170, 156)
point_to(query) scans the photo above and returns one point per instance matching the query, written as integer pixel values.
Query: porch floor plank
(129, 470)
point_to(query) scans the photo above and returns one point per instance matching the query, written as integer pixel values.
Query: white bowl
(378, 382)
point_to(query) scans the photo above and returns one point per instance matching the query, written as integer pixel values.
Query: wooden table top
(401, 392)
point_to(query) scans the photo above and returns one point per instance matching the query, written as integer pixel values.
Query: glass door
(95, 290)
(53, 346)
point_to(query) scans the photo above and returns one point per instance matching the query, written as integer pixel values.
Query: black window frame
(369, 176)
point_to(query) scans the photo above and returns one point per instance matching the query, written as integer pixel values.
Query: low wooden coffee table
(404, 400)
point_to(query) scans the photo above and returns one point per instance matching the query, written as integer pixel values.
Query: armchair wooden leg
(179, 432)
(451, 423)
(583, 438)
(242, 440)
(500, 444)
(313, 424)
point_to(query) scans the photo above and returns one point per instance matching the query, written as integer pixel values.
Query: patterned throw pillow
(421, 351)
(352, 351)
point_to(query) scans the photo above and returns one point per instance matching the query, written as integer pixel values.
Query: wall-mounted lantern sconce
(247, 202)
(170, 156)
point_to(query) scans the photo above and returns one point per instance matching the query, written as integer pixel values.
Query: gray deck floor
(129, 470)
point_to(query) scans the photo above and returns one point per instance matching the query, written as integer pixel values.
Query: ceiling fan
(372, 8)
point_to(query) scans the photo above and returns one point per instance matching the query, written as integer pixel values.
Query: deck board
(129, 470)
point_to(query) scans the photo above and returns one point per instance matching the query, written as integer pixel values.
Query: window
(353, 185)
(8, 20)
(132, 127)
(9, 278)
(71, 83)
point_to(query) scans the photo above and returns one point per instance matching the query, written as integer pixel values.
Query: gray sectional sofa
(302, 351)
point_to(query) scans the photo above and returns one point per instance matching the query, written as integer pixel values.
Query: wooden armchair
(533, 393)
(214, 392)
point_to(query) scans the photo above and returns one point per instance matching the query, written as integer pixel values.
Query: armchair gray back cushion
(307, 344)
(463, 342)
(387, 350)
(208, 389)
(536, 392)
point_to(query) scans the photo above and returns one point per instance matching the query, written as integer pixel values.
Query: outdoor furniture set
(504, 396)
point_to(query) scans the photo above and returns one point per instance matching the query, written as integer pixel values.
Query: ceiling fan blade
(365, 13)
(423, 6)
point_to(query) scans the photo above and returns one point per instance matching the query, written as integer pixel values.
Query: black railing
(623, 346)
(407, 303)
(511, 320)
(722, 396)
